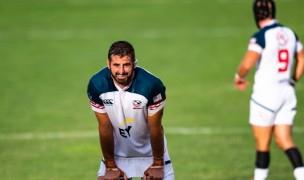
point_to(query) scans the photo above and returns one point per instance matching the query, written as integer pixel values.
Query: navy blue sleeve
(93, 92)
(260, 38)
(158, 93)
(149, 86)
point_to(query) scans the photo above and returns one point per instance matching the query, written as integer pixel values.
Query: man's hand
(240, 83)
(156, 170)
(113, 172)
(154, 173)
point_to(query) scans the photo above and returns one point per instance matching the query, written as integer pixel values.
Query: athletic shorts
(135, 167)
(273, 105)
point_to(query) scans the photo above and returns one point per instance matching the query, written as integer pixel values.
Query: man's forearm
(106, 143)
(157, 143)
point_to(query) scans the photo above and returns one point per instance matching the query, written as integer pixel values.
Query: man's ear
(108, 63)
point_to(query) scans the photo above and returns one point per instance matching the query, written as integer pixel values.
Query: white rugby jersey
(277, 45)
(128, 109)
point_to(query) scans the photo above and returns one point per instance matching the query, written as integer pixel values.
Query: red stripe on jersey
(96, 105)
(155, 106)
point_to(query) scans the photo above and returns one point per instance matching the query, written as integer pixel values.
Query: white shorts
(273, 105)
(135, 167)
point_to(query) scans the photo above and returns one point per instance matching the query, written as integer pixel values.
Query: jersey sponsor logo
(125, 132)
(108, 102)
(127, 120)
(137, 104)
(124, 129)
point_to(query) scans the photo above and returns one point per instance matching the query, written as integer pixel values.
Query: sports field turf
(50, 48)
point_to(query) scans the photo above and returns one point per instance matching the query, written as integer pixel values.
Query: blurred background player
(273, 101)
(129, 102)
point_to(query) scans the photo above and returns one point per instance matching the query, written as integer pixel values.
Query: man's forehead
(120, 59)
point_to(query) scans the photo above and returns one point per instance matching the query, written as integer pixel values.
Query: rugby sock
(299, 173)
(260, 174)
(261, 163)
(296, 160)
(295, 157)
(262, 159)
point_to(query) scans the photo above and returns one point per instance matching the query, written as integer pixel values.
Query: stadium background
(50, 48)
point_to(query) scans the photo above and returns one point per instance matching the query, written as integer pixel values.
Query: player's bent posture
(273, 50)
(129, 102)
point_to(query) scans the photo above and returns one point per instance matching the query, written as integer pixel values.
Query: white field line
(67, 34)
(121, 3)
(94, 133)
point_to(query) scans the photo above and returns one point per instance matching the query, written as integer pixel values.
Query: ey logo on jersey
(136, 104)
(125, 132)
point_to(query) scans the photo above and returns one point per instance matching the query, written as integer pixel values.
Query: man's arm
(299, 66)
(105, 135)
(248, 62)
(107, 146)
(157, 142)
(157, 135)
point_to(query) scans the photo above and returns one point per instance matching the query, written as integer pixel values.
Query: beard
(123, 79)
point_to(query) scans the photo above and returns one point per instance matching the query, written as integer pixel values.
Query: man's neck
(266, 22)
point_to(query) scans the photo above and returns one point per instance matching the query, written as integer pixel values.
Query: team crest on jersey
(282, 38)
(136, 104)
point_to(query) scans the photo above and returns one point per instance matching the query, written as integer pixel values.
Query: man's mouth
(121, 76)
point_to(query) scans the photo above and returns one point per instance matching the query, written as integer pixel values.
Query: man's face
(121, 69)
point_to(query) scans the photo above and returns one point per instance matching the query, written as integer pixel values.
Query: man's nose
(121, 70)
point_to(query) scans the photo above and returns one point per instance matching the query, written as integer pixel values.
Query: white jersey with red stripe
(128, 109)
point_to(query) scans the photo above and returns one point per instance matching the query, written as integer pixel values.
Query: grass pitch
(49, 50)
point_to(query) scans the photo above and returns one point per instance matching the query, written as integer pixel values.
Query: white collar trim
(121, 89)
(269, 23)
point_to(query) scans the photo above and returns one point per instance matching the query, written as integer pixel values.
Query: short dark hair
(121, 48)
(263, 9)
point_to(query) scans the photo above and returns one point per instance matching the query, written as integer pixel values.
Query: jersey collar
(269, 23)
(122, 89)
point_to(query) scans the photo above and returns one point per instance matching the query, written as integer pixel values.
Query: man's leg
(262, 136)
(283, 137)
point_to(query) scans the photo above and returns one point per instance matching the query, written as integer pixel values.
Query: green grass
(49, 50)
